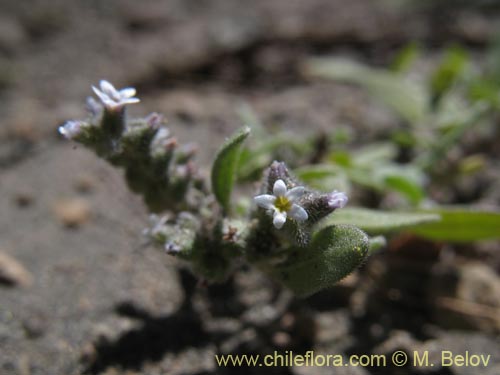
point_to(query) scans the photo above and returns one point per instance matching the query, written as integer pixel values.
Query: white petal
(279, 219)
(295, 193)
(104, 97)
(265, 201)
(110, 103)
(63, 130)
(298, 213)
(279, 188)
(93, 106)
(127, 92)
(108, 88)
(130, 101)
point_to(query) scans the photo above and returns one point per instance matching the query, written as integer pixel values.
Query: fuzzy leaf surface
(461, 225)
(375, 221)
(224, 167)
(334, 253)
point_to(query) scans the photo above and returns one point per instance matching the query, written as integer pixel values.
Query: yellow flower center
(282, 204)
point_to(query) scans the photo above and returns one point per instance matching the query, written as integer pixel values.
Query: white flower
(112, 98)
(337, 199)
(71, 129)
(282, 203)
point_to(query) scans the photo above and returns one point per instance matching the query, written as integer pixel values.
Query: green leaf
(224, 168)
(366, 178)
(269, 147)
(408, 98)
(317, 172)
(374, 221)
(412, 191)
(449, 71)
(324, 177)
(406, 57)
(333, 254)
(461, 225)
(374, 154)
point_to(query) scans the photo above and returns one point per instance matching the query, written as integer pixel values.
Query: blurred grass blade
(324, 177)
(255, 159)
(406, 57)
(374, 154)
(449, 71)
(317, 172)
(250, 118)
(224, 168)
(376, 222)
(405, 186)
(461, 225)
(409, 99)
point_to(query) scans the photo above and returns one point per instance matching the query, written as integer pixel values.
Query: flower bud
(71, 129)
(337, 199)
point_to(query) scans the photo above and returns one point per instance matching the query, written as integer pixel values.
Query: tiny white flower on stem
(282, 203)
(337, 199)
(71, 129)
(112, 98)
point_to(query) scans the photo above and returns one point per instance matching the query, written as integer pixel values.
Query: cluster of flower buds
(156, 166)
(293, 207)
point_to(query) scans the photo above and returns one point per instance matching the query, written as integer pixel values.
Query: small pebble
(72, 212)
(84, 183)
(12, 272)
(24, 199)
(35, 326)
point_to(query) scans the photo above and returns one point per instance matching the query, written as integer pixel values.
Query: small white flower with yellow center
(113, 98)
(282, 203)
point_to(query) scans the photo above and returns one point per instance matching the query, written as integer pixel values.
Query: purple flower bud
(278, 171)
(337, 199)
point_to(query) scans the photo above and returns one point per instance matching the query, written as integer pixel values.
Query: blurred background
(80, 292)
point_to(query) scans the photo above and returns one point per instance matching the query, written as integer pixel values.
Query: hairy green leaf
(374, 221)
(333, 254)
(461, 225)
(224, 167)
(412, 191)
